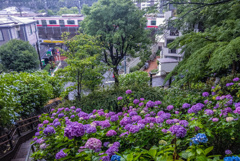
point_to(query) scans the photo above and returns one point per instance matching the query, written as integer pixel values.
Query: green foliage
(25, 93)
(47, 67)
(134, 69)
(83, 64)
(65, 10)
(18, 55)
(110, 20)
(154, 71)
(138, 78)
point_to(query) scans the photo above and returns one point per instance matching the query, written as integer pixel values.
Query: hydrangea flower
(94, 144)
(119, 98)
(178, 130)
(237, 110)
(142, 99)
(205, 94)
(123, 134)
(215, 119)
(49, 130)
(106, 144)
(127, 127)
(209, 112)
(45, 122)
(136, 118)
(150, 104)
(134, 129)
(133, 113)
(115, 158)
(170, 107)
(60, 154)
(228, 119)
(74, 129)
(228, 152)
(141, 104)
(158, 103)
(236, 79)
(114, 118)
(199, 138)
(196, 108)
(136, 101)
(125, 121)
(186, 105)
(60, 115)
(184, 123)
(233, 158)
(111, 133)
(91, 129)
(57, 124)
(78, 110)
(229, 84)
(128, 91)
(37, 134)
(176, 112)
(159, 120)
(105, 124)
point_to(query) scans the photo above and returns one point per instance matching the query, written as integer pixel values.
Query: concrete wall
(166, 67)
(6, 35)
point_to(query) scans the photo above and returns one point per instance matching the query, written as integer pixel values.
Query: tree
(82, 60)
(214, 49)
(120, 27)
(18, 55)
(65, 10)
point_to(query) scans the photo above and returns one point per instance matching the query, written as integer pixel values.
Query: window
(37, 22)
(1, 36)
(61, 22)
(52, 22)
(44, 22)
(71, 22)
(153, 22)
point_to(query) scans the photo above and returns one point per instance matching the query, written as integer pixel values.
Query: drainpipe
(25, 33)
(10, 33)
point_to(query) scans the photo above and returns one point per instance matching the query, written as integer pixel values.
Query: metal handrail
(29, 151)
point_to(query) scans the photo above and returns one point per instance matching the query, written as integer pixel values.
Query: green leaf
(208, 150)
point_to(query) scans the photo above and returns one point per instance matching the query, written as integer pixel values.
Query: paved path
(153, 65)
(22, 151)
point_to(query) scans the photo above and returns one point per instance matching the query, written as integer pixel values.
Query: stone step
(19, 159)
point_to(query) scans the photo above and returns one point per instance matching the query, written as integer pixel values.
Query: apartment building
(169, 58)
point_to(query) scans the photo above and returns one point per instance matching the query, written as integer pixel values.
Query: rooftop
(167, 60)
(9, 21)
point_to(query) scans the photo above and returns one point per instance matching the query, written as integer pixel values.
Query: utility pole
(79, 6)
(125, 70)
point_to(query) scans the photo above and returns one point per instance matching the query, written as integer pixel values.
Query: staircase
(23, 151)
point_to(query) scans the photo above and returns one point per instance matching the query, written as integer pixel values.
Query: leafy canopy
(18, 55)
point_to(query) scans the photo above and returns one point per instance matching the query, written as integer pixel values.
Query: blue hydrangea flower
(115, 158)
(199, 138)
(233, 158)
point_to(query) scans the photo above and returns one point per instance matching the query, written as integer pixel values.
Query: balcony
(171, 52)
(172, 34)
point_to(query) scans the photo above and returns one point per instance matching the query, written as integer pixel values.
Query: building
(20, 28)
(169, 58)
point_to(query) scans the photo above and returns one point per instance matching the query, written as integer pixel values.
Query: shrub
(133, 69)
(47, 67)
(137, 78)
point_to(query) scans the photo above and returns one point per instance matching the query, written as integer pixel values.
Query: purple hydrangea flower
(136, 118)
(133, 113)
(49, 130)
(209, 112)
(136, 101)
(134, 129)
(215, 119)
(178, 130)
(78, 110)
(73, 107)
(186, 105)
(176, 112)
(74, 129)
(127, 127)
(66, 109)
(141, 104)
(111, 133)
(170, 107)
(119, 98)
(123, 134)
(142, 99)
(236, 79)
(184, 123)
(128, 91)
(72, 116)
(169, 121)
(37, 134)
(94, 144)
(141, 126)
(229, 84)
(205, 94)
(237, 110)
(105, 144)
(105, 124)
(158, 103)
(57, 124)
(196, 108)
(164, 131)
(152, 113)
(60, 154)
(213, 93)
(45, 122)
(150, 104)
(125, 121)
(228, 152)
(159, 120)
(166, 115)
(114, 118)
(160, 113)
(91, 129)
(60, 115)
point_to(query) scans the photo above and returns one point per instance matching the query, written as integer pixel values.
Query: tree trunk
(115, 72)
(78, 86)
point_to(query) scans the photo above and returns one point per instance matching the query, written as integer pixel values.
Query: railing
(29, 152)
(9, 140)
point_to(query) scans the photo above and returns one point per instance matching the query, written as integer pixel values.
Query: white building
(169, 58)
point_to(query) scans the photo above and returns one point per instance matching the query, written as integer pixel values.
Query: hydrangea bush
(144, 130)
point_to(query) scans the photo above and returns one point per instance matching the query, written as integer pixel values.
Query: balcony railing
(174, 33)
(172, 51)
